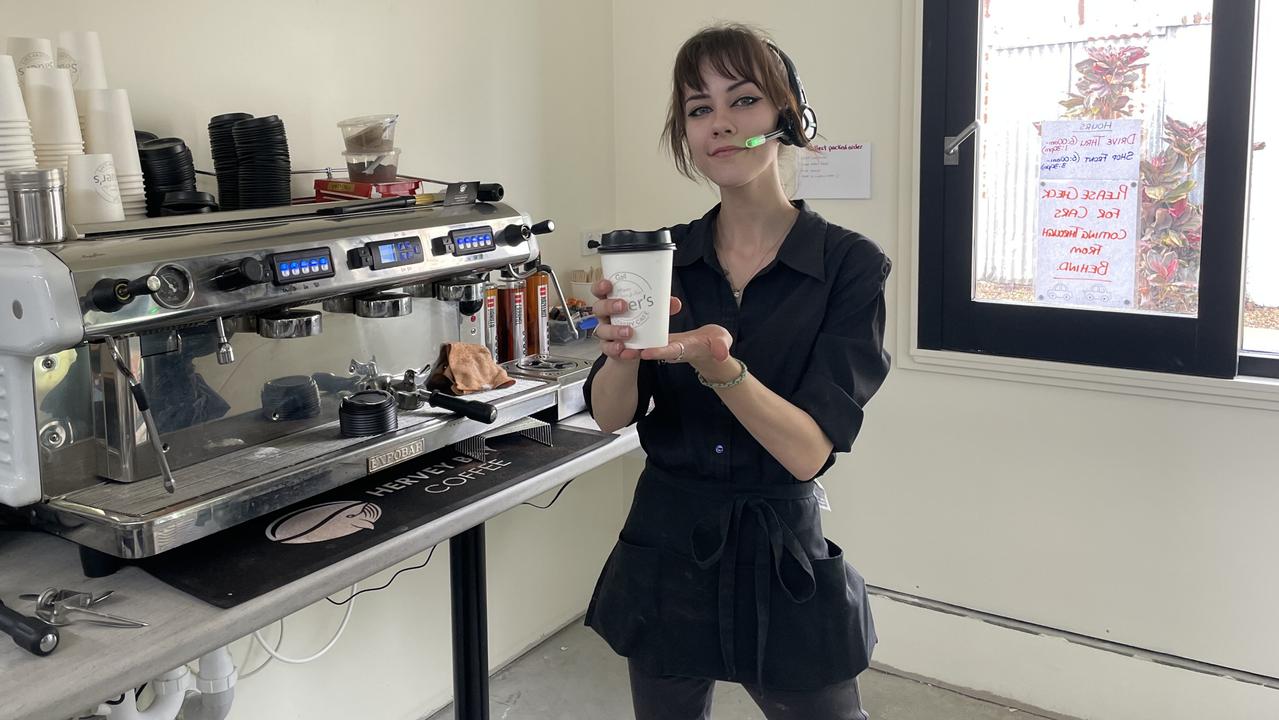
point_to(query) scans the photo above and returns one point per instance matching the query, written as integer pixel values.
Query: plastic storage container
(369, 133)
(377, 167)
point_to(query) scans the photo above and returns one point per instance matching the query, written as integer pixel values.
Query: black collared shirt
(810, 328)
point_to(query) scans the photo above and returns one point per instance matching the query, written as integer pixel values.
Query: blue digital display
(394, 253)
(301, 265)
(470, 241)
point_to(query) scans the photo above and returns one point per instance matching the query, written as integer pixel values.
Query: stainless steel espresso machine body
(159, 383)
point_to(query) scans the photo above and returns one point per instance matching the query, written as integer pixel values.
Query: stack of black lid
(226, 161)
(262, 156)
(187, 202)
(368, 412)
(295, 397)
(166, 167)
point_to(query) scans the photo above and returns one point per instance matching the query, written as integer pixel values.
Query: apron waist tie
(776, 542)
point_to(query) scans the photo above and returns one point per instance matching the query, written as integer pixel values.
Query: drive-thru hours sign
(1089, 212)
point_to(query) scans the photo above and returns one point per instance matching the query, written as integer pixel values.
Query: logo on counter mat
(321, 523)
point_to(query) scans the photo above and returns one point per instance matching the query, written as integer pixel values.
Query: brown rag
(464, 368)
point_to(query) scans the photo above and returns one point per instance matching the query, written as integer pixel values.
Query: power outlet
(587, 237)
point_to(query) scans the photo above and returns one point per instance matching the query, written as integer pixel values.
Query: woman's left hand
(706, 344)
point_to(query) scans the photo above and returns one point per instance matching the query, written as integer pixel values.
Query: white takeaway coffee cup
(638, 264)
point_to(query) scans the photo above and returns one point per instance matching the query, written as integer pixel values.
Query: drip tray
(137, 520)
(547, 367)
(569, 375)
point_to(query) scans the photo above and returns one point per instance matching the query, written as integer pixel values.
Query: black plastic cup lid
(188, 197)
(229, 118)
(163, 146)
(368, 402)
(636, 241)
(261, 122)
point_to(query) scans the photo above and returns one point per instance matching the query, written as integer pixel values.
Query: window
(1097, 215)
(1261, 290)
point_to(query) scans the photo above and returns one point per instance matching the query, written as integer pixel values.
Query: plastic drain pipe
(211, 692)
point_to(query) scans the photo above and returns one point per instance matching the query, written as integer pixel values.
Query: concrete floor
(575, 676)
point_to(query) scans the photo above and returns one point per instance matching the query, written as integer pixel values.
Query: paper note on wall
(1089, 213)
(834, 171)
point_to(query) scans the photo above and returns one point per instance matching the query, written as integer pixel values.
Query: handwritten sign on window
(834, 170)
(1075, 149)
(1089, 213)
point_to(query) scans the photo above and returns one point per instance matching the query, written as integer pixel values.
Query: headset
(790, 130)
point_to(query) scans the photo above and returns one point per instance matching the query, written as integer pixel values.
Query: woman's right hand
(612, 337)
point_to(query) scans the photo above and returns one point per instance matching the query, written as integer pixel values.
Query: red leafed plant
(1106, 81)
(1171, 224)
(1168, 251)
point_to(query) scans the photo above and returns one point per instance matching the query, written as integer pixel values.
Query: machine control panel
(386, 254)
(301, 266)
(466, 241)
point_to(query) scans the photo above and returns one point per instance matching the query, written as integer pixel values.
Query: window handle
(954, 142)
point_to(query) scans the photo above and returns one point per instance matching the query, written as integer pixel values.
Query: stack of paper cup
(16, 148)
(30, 53)
(92, 193)
(54, 123)
(81, 54)
(109, 125)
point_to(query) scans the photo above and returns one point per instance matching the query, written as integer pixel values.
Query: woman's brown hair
(734, 51)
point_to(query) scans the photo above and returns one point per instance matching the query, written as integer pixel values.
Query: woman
(721, 571)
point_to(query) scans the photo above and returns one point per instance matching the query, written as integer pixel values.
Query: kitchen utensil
(59, 613)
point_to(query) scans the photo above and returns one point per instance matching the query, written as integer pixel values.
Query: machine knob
(543, 228)
(490, 192)
(515, 234)
(111, 294)
(249, 271)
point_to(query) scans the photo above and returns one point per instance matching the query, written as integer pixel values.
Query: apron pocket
(827, 639)
(624, 606)
(690, 617)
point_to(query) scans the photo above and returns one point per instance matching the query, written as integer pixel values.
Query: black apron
(732, 583)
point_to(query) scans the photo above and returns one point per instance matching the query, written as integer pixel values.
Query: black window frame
(949, 318)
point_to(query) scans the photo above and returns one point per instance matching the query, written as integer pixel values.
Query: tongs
(56, 607)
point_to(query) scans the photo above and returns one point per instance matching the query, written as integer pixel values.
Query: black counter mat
(269, 552)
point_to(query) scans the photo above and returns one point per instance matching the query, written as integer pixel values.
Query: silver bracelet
(721, 385)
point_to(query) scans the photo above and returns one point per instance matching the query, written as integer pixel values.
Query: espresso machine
(163, 380)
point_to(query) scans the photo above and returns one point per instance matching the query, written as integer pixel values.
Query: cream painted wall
(1136, 520)
(514, 91)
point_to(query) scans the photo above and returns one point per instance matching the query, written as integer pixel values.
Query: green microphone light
(758, 140)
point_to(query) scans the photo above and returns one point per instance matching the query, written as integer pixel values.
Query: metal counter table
(94, 664)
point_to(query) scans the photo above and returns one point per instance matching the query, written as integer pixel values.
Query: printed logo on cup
(37, 58)
(104, 181)
(637, 291)
(67, 61)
